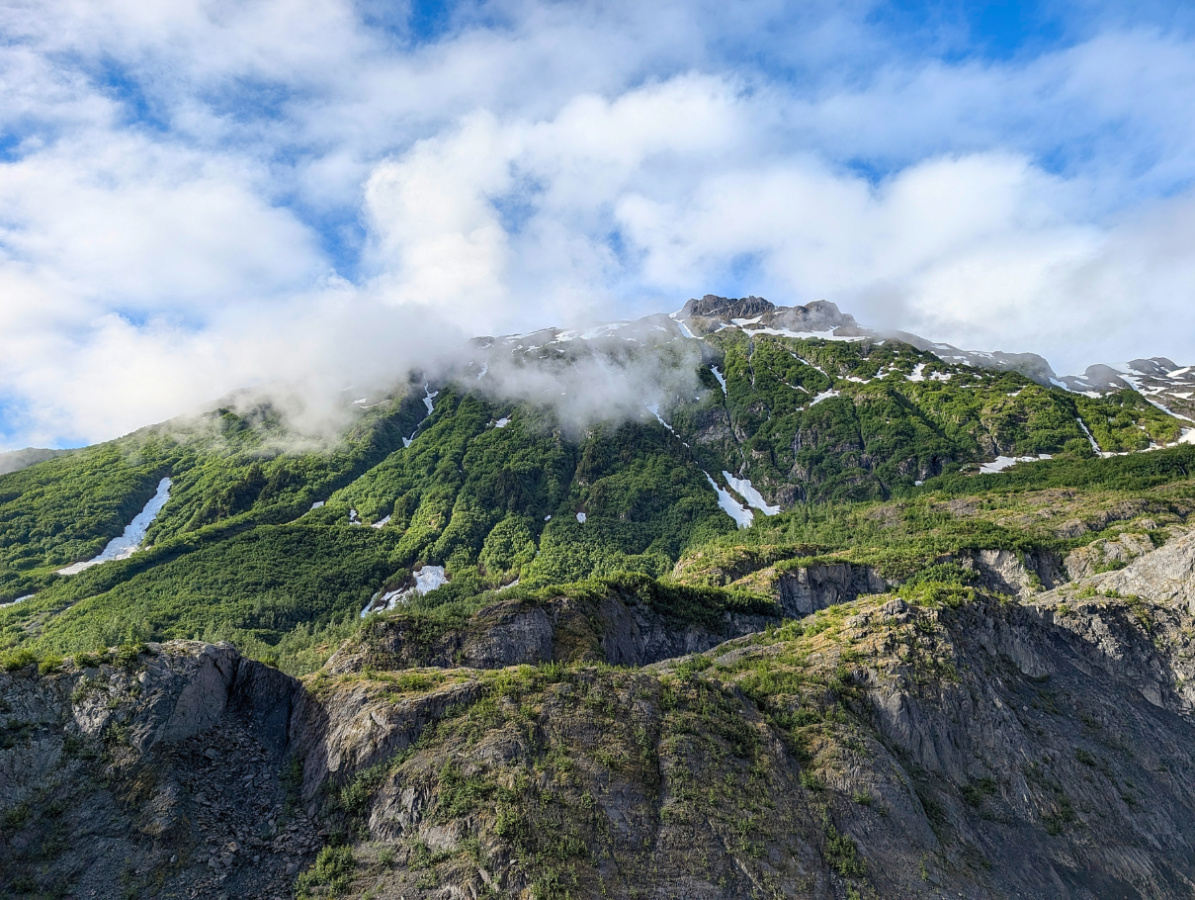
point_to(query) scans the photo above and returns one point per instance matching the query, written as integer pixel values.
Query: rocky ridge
(1161, 381)
(881, 747)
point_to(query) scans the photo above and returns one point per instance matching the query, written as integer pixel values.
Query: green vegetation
(287, 592)
(330, 875)
(239, 554)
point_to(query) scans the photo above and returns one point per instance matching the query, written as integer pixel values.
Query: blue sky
(197, 195)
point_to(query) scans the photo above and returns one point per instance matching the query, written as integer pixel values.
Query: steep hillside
(745, 601)
(934, 743)
(754, 422)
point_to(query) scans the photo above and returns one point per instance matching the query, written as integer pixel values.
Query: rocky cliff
(877, 748)
(616, 629)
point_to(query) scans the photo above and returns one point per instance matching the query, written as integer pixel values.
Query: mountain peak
(821, 316)
(712, 306)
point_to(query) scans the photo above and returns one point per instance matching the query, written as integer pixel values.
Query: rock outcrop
(807, 589)
(158, 773)
(873, 748)
(614, 629)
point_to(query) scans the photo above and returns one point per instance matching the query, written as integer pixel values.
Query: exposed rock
(139, 774)
(616, 630)
(1016, 574)
(1164, 576)
(815, 587)
(1103, 555)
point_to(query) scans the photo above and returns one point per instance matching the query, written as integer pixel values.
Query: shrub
(19, 659)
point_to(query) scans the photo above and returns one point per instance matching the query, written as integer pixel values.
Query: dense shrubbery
(275, 591)
(493, 504)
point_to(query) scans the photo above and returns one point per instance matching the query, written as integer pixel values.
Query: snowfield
(748, 492)
(134, 533)
(743, 516)
(427, 579)
(1000, 463)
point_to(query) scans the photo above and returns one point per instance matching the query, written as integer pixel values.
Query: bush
(330, 874)
(19, 659)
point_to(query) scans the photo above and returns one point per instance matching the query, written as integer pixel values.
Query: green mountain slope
(787, 609)
(496, 490)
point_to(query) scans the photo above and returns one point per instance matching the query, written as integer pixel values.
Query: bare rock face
(1104, 555)
(711, 313)
(1007, 572)
(713, 307)
(810, 588)
(615, 630)
(1166, 575)
(157, 773)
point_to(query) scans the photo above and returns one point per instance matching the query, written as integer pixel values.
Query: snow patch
(684, 330)
(502, 423)
(824, 395)
(654, 409)
(743, 516)
(354, 517)
(18, 600)
(581, 517)
(317, 504)
(134, 533)
(1000, 463)
(1090, 437)
(427, 578)
(917, 370)
(806, 362)
(428, 398)
(381, 523)
(805, 335)
(748, 492)
(720, 377)
(1166, 409)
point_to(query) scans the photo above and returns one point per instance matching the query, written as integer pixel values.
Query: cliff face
(873, 749)
(614, 629)
(152, 773)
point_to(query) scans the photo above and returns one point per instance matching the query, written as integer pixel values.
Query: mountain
(15, 460)
(1162, 382)
(740, 601)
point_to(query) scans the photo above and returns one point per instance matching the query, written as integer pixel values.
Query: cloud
(198, 196)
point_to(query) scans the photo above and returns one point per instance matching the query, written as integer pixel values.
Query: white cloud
(187, 173)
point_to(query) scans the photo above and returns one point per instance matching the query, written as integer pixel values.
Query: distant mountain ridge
(1158, 379)
(15, 460)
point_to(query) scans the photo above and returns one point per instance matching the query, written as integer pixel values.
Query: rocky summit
(812, 611)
